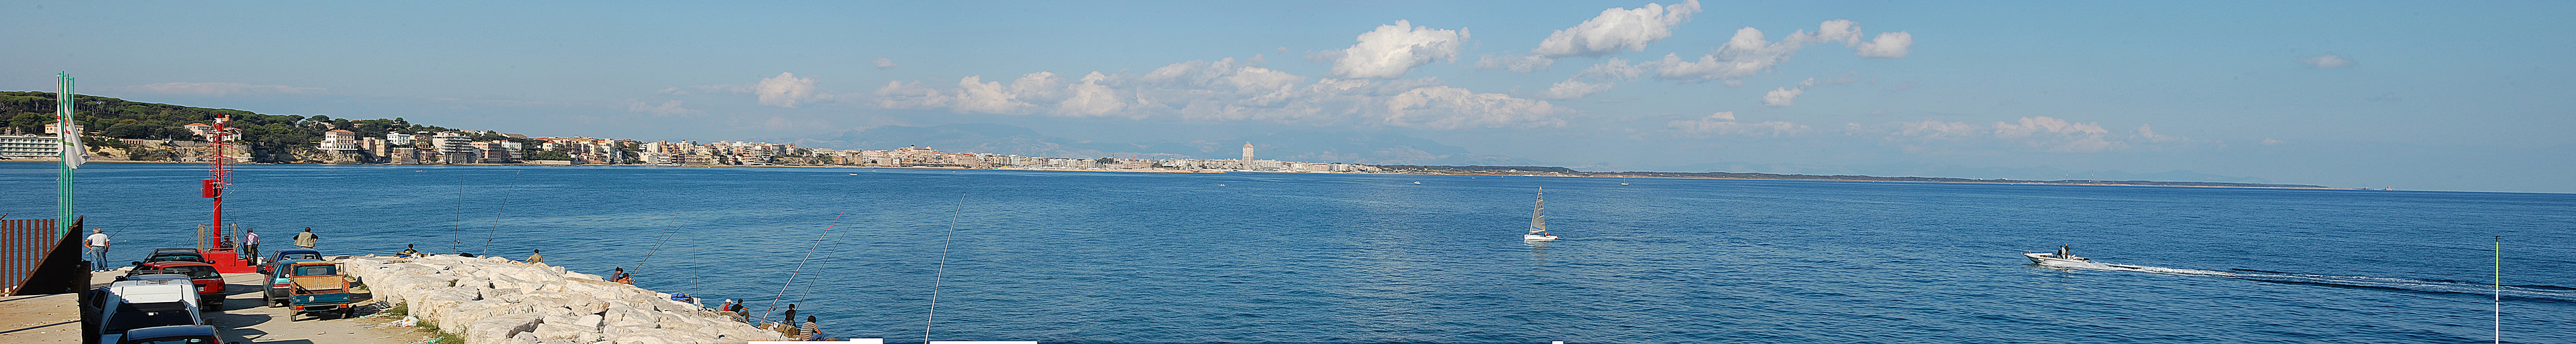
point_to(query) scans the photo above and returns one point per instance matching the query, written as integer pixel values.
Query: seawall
(491, 300)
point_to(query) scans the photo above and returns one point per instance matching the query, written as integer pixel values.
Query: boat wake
(2549, 293)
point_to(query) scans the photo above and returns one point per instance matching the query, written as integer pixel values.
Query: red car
(210, 285)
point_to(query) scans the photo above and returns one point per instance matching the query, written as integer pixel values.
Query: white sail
(1538, 216)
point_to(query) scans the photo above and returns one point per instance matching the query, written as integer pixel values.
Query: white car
(144, 302)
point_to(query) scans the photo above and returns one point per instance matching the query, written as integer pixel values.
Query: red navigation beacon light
(224, 257)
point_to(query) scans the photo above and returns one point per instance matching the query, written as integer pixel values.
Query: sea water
(1097, 257)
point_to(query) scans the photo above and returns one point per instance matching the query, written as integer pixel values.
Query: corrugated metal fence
(24, 244)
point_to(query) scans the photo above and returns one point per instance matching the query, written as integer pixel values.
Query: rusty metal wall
(24, 244)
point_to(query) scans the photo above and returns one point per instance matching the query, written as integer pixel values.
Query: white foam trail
(2350, 281)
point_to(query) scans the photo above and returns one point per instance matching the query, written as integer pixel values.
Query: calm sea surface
(1266, 257)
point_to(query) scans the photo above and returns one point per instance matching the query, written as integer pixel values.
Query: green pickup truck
(316, 287)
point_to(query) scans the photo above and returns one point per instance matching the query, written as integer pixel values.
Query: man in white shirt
(97, 243)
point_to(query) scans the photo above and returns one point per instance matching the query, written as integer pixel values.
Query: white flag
(73, 154)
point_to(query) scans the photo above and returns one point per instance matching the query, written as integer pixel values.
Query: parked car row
(160, 299)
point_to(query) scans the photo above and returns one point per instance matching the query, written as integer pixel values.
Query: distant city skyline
(2414, 96)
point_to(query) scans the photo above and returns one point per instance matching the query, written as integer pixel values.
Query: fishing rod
(800, 266)
(933, 313)
(657, 246)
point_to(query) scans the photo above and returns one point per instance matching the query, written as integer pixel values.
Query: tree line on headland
(112, 118)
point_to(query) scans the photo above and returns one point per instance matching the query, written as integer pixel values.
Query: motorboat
(2062, 256)
(1538, 220)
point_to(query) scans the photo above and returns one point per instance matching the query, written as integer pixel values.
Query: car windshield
(155, 314)
(175, 257)
(312, 256)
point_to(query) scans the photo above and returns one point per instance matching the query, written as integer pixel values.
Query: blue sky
(2349, 94)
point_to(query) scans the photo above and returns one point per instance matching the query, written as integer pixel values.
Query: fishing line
(943, 268)
(457, 223)
(800, 266)
(497, 212)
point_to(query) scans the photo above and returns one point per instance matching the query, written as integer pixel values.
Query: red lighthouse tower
(216, 247)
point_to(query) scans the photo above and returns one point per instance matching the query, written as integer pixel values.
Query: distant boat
(2062, 256)
(854, 174)
(1538, 220)
(1623, 183)
(1417, 183)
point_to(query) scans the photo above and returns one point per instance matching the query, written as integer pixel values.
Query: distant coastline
(1567, 172)
(1528, 171)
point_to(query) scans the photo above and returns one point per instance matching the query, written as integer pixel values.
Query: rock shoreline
(491, 300)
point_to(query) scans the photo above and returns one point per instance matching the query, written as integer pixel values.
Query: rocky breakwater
(494, 300)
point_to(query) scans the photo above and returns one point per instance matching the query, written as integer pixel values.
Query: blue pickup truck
(316, 287)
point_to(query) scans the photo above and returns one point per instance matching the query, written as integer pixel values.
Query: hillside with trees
(29, 112)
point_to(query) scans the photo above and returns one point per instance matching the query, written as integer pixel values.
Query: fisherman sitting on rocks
(408, 252)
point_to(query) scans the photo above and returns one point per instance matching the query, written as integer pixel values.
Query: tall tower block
(1247, 151)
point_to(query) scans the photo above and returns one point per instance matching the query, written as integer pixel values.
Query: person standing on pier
(250, 243)
(97, 243)
(305, 239)
(536, 257)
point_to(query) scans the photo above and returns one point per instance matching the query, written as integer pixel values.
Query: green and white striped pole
(72, 155)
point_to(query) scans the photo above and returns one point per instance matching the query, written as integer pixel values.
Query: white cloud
(785, 90)
(668, 108)
(1516, 63)
(224, 89)
(1782, 97)
(2149, 135)
(2326, 61)
(1617, 29)
(885, 63)
(1571, 89)
(1748, 53)
(1596, 79)
(1888, 45)
(1724, 124)
(1230, 90)
(1392, 50)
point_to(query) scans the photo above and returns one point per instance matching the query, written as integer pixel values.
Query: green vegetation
(118, 118)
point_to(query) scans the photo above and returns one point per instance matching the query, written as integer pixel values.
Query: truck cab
(210, 285)
(145, 301)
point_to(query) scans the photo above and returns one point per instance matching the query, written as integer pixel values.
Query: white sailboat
(1538, 220)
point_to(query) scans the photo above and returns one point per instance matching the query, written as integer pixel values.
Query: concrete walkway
(245, 318)
(44, 319)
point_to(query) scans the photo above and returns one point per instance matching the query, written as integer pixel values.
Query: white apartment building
(339, 140)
